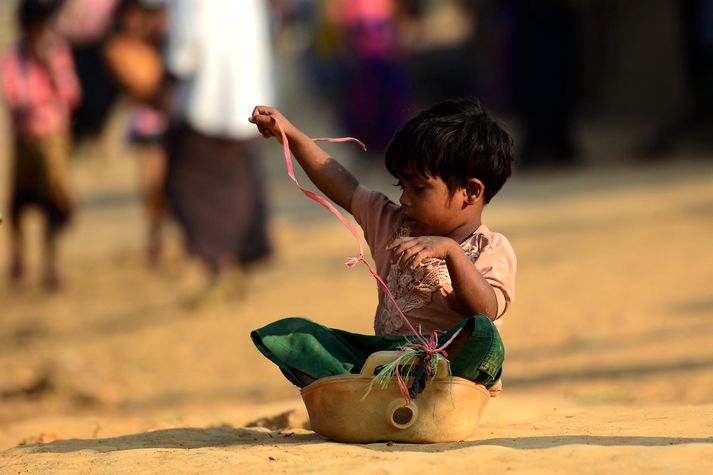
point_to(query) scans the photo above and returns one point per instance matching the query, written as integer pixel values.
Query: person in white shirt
(218, 53)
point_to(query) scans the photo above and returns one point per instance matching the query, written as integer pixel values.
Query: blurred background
(610, 207)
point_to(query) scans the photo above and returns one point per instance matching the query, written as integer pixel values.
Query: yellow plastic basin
(448, 410)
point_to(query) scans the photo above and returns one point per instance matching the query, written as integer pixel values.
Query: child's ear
(474, 190)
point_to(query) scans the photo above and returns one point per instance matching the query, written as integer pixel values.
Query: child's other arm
(470, 288)
(327, 174)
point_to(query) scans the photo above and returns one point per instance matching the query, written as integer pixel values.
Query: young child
(446, 270)
(138, 39)
(40, 88)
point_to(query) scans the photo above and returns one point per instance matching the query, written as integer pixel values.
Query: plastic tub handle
(381, 358)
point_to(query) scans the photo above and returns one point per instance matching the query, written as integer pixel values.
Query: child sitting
(41, 88)
(445, 269)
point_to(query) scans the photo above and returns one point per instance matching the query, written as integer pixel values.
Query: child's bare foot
(496, 388)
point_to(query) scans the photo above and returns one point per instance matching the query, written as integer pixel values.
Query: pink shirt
(40, 100)
(426, 295)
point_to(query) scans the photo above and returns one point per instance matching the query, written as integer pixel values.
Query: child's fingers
(265, 125)
(262, 120)
(412, 257)
(412, 251)
(262, 116)
(395, 246)
(398, 241)
(404, 250)
(265, 118)
(416, 261)
(263, 110)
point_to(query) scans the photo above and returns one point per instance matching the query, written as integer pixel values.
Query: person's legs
(50, 275)
(18, 201)
(305, 351)
(16, 270)
(152, 183)
(57, 200)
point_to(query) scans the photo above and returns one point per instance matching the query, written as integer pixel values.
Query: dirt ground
(609, 356)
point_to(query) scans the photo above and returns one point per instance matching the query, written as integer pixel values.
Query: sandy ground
(609, 364)
(609, 355)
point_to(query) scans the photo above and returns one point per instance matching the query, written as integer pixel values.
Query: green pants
(302, 345)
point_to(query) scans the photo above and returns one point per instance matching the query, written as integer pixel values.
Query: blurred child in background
(133, 56)
(41, 88)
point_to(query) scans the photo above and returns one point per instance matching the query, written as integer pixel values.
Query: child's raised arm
(327, 174)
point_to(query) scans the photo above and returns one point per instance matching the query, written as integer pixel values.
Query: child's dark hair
(454, 140)
(37, 12)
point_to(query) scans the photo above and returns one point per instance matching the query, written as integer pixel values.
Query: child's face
(429, 208)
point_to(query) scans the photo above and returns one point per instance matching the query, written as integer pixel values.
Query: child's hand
(412, 251)
(264, 117)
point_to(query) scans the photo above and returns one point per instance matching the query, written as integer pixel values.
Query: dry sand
(609, 341)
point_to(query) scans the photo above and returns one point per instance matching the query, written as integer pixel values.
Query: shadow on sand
(589, 374)
(226, 436)
(183, 438)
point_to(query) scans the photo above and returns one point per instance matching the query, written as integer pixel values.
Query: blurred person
(376, 88)
(441, 48)
(133, 56)
(546, 56)
(218, 53)
(87, 24)
(444, 269)
(325, 58)
(41, 89)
